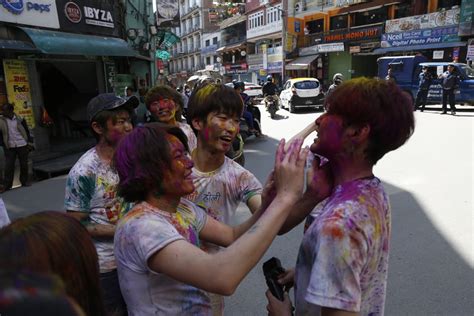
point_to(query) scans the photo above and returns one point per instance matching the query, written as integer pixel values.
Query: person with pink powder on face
(343, 258)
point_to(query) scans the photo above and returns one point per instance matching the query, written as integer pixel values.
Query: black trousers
(421, 97)
(10, 158)
(448, 94)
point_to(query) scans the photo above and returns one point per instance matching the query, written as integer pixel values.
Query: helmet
(269, 78)
(338, 78)
(239, 85)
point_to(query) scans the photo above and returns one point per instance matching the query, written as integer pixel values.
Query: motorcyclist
(337, 79)
(270, 90)
(239, 86)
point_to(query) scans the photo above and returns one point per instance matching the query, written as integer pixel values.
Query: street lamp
(283, 36)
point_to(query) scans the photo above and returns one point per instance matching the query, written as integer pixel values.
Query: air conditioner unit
(300, 6)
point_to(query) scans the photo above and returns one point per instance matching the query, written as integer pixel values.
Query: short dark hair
(142, 157)
(8, 106)
(382, 105)
(163, 92)
(213, 97)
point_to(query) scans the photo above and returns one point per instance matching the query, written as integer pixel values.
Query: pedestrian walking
(343, 258)
(424, 84)
(91, 188)
(450, 82)
(17, 142)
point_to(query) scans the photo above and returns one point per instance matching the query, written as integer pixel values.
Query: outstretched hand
(289, 169)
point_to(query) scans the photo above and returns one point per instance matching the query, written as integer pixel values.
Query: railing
(234, 40)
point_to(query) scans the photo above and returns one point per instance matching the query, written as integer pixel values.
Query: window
(208, 60)
(403, 10)
(338, 22)
(370, 17)
(215, 60)
(208, 43)
(214, 41)
(448, 4)
(316, 26)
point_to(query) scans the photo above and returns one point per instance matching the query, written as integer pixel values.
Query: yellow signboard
(18, 89)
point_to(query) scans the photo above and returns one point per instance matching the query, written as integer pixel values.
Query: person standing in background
(423, 88)
(17, 141)
(450, 82)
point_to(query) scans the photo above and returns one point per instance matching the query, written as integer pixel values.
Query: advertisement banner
(167, 13)
(466, 18)
(36, 13)
(18, 89)
(88, 16)
(421, 37)
(425, 21)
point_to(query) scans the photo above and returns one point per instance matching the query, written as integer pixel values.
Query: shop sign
(88, 16)
(18, 88)
(425, 21)
(275, 67)
(470, 52)
(421, 37)
(353, 35)
(354, 49)
(328, 48)
(255, 67)
(37, 13)
(466, 18)
(311, 50)
(438, 54)
(167, 14)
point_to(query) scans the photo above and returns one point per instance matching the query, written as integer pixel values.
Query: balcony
(234, 40)
(188, 11)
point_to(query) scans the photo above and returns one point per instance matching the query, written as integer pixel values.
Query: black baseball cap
(110, 101)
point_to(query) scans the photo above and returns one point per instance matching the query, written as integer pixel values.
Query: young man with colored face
(165, 105)
(91, 186)
(342, 263)
(221, 184)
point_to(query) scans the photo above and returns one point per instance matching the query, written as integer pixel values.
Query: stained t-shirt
(192, 140)
(91, 187)
(223, 189)
(220, 191)
(343, 259)
(141, 233)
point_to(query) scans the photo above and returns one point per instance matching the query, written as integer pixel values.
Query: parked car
(406, 70)
(302, 93)
(251, 89)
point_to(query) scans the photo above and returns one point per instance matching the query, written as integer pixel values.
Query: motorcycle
(271, 104)
(244, 128)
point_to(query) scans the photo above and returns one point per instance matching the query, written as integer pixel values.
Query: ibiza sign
(37, 13)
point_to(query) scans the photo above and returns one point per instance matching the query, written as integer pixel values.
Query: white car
(302, 93)
(251, 89)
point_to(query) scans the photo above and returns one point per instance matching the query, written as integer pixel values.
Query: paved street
(430, 181)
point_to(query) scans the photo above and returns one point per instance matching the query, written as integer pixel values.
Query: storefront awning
(60, 43)
(301, 63)
(418, 47)
(6, 44)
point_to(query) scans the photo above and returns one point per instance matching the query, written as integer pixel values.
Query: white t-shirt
(343, 258)
(92, 187)
(141, 233)
(223, 189)
(192, 140)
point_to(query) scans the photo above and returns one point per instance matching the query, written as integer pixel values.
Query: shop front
(62, 71)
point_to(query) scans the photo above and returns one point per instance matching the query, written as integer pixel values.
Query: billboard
(37, 13)
(167, 13)
(88, 16)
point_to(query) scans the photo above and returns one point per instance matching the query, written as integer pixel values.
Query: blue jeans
(113, 299)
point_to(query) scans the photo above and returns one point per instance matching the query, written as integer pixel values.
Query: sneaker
(453, 112)
(444, 113)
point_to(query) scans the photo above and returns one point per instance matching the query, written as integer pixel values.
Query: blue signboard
(421, 37)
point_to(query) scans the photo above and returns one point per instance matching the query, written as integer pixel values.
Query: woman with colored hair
(166, 105)
(162, 270)
(53, 242)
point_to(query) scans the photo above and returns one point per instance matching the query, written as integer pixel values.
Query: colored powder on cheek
(205, 133)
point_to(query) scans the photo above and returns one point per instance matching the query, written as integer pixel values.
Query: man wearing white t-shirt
(220, 183)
